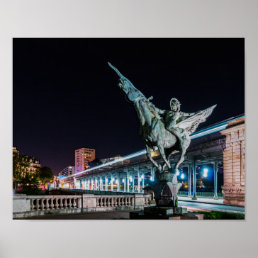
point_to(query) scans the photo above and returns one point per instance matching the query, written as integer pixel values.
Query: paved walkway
(201, 200)
(202, 206)
(91, 215)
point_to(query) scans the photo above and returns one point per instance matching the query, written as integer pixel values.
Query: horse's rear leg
(163, 155)
(179, 162)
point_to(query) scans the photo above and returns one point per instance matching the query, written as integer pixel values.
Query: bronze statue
(166, 130)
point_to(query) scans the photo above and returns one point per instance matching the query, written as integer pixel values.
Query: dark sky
(66, 97)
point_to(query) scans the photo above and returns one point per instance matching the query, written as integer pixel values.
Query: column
(112, 179)
(142, 182)
(133, 177)
(106, 183)
(124, 181)
(101, 185)
(215, 171)
(194, 180)
(91, 181)
(153, 174)
(118, 184)
(128, 182)
(138, 182)
(189, 181)
(96, 184)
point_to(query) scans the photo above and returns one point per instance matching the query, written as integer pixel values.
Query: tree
(95, 162)
(30, 183)
(20, 168)
(45, 175)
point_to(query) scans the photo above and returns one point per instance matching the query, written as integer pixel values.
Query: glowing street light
(205, 172)
(182, 176)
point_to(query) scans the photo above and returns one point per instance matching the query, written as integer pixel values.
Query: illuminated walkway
(201, 200)
(198, 206)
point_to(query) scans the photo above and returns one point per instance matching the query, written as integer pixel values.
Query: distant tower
(82, 157)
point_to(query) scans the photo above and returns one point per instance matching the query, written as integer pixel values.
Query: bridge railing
(200, 194)
(35, 205)
(54, 202)
(111, 201)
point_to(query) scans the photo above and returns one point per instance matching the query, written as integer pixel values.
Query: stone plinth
(234, 163)
(159, 213)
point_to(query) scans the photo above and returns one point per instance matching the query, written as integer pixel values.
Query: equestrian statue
(167, 131)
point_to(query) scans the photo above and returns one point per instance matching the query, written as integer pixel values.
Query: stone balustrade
(54, 202)
(36, 205)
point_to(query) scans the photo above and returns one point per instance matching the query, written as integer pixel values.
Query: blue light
(205, 172)
(182, 176)
(151, 178)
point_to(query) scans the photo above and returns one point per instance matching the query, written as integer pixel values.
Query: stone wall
(234, 163)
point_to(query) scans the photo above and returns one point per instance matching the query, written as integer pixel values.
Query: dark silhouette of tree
(21, 166)
(45, 175)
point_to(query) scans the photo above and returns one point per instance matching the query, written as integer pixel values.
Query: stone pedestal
(166, 188)
(234, 163)
(177, 213)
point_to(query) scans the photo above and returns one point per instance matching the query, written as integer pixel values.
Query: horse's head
(131, 92)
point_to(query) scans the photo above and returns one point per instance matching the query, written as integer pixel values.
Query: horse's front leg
(163, 155)
(149, 150)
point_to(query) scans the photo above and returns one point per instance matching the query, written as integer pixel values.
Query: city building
(82, 157)
(34, 163)
(68, 171)
(15, 151)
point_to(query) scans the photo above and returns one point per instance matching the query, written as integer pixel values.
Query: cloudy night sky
(65, 96)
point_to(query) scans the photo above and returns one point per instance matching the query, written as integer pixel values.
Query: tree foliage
(22, 174)
(20, 168)
(45, 175)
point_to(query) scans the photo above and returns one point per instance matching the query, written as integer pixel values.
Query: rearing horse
(153, 129)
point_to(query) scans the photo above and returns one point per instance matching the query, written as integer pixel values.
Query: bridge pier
(106, 183)
(189, 180)
(133, 179)
(194, 180)
(215, 171)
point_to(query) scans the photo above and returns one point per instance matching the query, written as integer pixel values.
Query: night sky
(66, 97)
